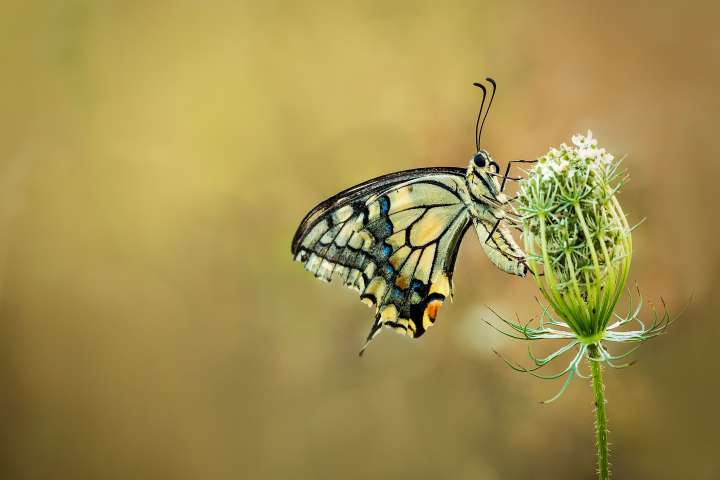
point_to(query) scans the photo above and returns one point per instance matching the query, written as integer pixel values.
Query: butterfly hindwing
(394, 240)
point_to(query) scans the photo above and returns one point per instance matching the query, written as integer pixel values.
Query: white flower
(605, 157)
(584, 141)
(546, 171)
(581, 158)
(559, 166)
(578, 140)
(586, 153)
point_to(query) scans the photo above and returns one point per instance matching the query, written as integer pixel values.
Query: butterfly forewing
(393, 239)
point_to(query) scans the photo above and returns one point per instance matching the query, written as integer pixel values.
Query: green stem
(601, 431)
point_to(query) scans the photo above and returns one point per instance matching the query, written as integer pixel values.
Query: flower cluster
(563, 161)
(575, 232)
(579, 246)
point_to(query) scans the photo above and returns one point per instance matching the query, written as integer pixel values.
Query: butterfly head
(482, 161)
(482, 176)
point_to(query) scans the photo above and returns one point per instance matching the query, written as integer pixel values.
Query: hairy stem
(601, 431)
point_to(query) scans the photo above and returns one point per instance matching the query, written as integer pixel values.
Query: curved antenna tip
(478, 130)
(476, 84)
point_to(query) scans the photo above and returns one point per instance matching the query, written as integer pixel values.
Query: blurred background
(156, 158)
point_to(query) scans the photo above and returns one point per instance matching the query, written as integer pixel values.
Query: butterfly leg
(541, 274)
(507, 172)
(490, 235)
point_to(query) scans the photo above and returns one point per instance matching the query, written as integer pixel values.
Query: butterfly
(394, 239)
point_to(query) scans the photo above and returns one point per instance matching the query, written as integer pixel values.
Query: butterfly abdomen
(501, 248)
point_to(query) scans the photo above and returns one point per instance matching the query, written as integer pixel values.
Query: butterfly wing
(393, 239)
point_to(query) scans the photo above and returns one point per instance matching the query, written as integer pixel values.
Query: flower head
(579, 247)
(576, 234)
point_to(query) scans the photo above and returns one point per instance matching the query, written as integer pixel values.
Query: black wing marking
(393, 239)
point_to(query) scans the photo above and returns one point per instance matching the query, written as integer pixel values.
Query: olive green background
(156, 157)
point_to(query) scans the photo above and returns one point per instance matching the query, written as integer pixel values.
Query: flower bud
(576, 236)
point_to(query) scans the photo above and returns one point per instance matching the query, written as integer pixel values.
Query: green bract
(577, 238)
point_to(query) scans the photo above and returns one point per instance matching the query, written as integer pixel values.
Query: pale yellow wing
(394, 241)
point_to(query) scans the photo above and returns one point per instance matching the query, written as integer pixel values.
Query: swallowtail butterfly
(394, 239)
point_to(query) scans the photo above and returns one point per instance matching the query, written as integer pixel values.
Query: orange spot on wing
(430, 313)
(402, 282)
(432, 309)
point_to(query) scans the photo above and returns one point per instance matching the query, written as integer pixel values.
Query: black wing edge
(368, 187)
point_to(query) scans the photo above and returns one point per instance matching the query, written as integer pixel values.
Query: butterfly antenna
(477, 124)
(492, 96)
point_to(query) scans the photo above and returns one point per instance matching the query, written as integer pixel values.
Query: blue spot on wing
(386, 250)
(419, 287)
(384, 202)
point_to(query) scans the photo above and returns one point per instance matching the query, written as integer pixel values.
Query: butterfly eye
(479, 160)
